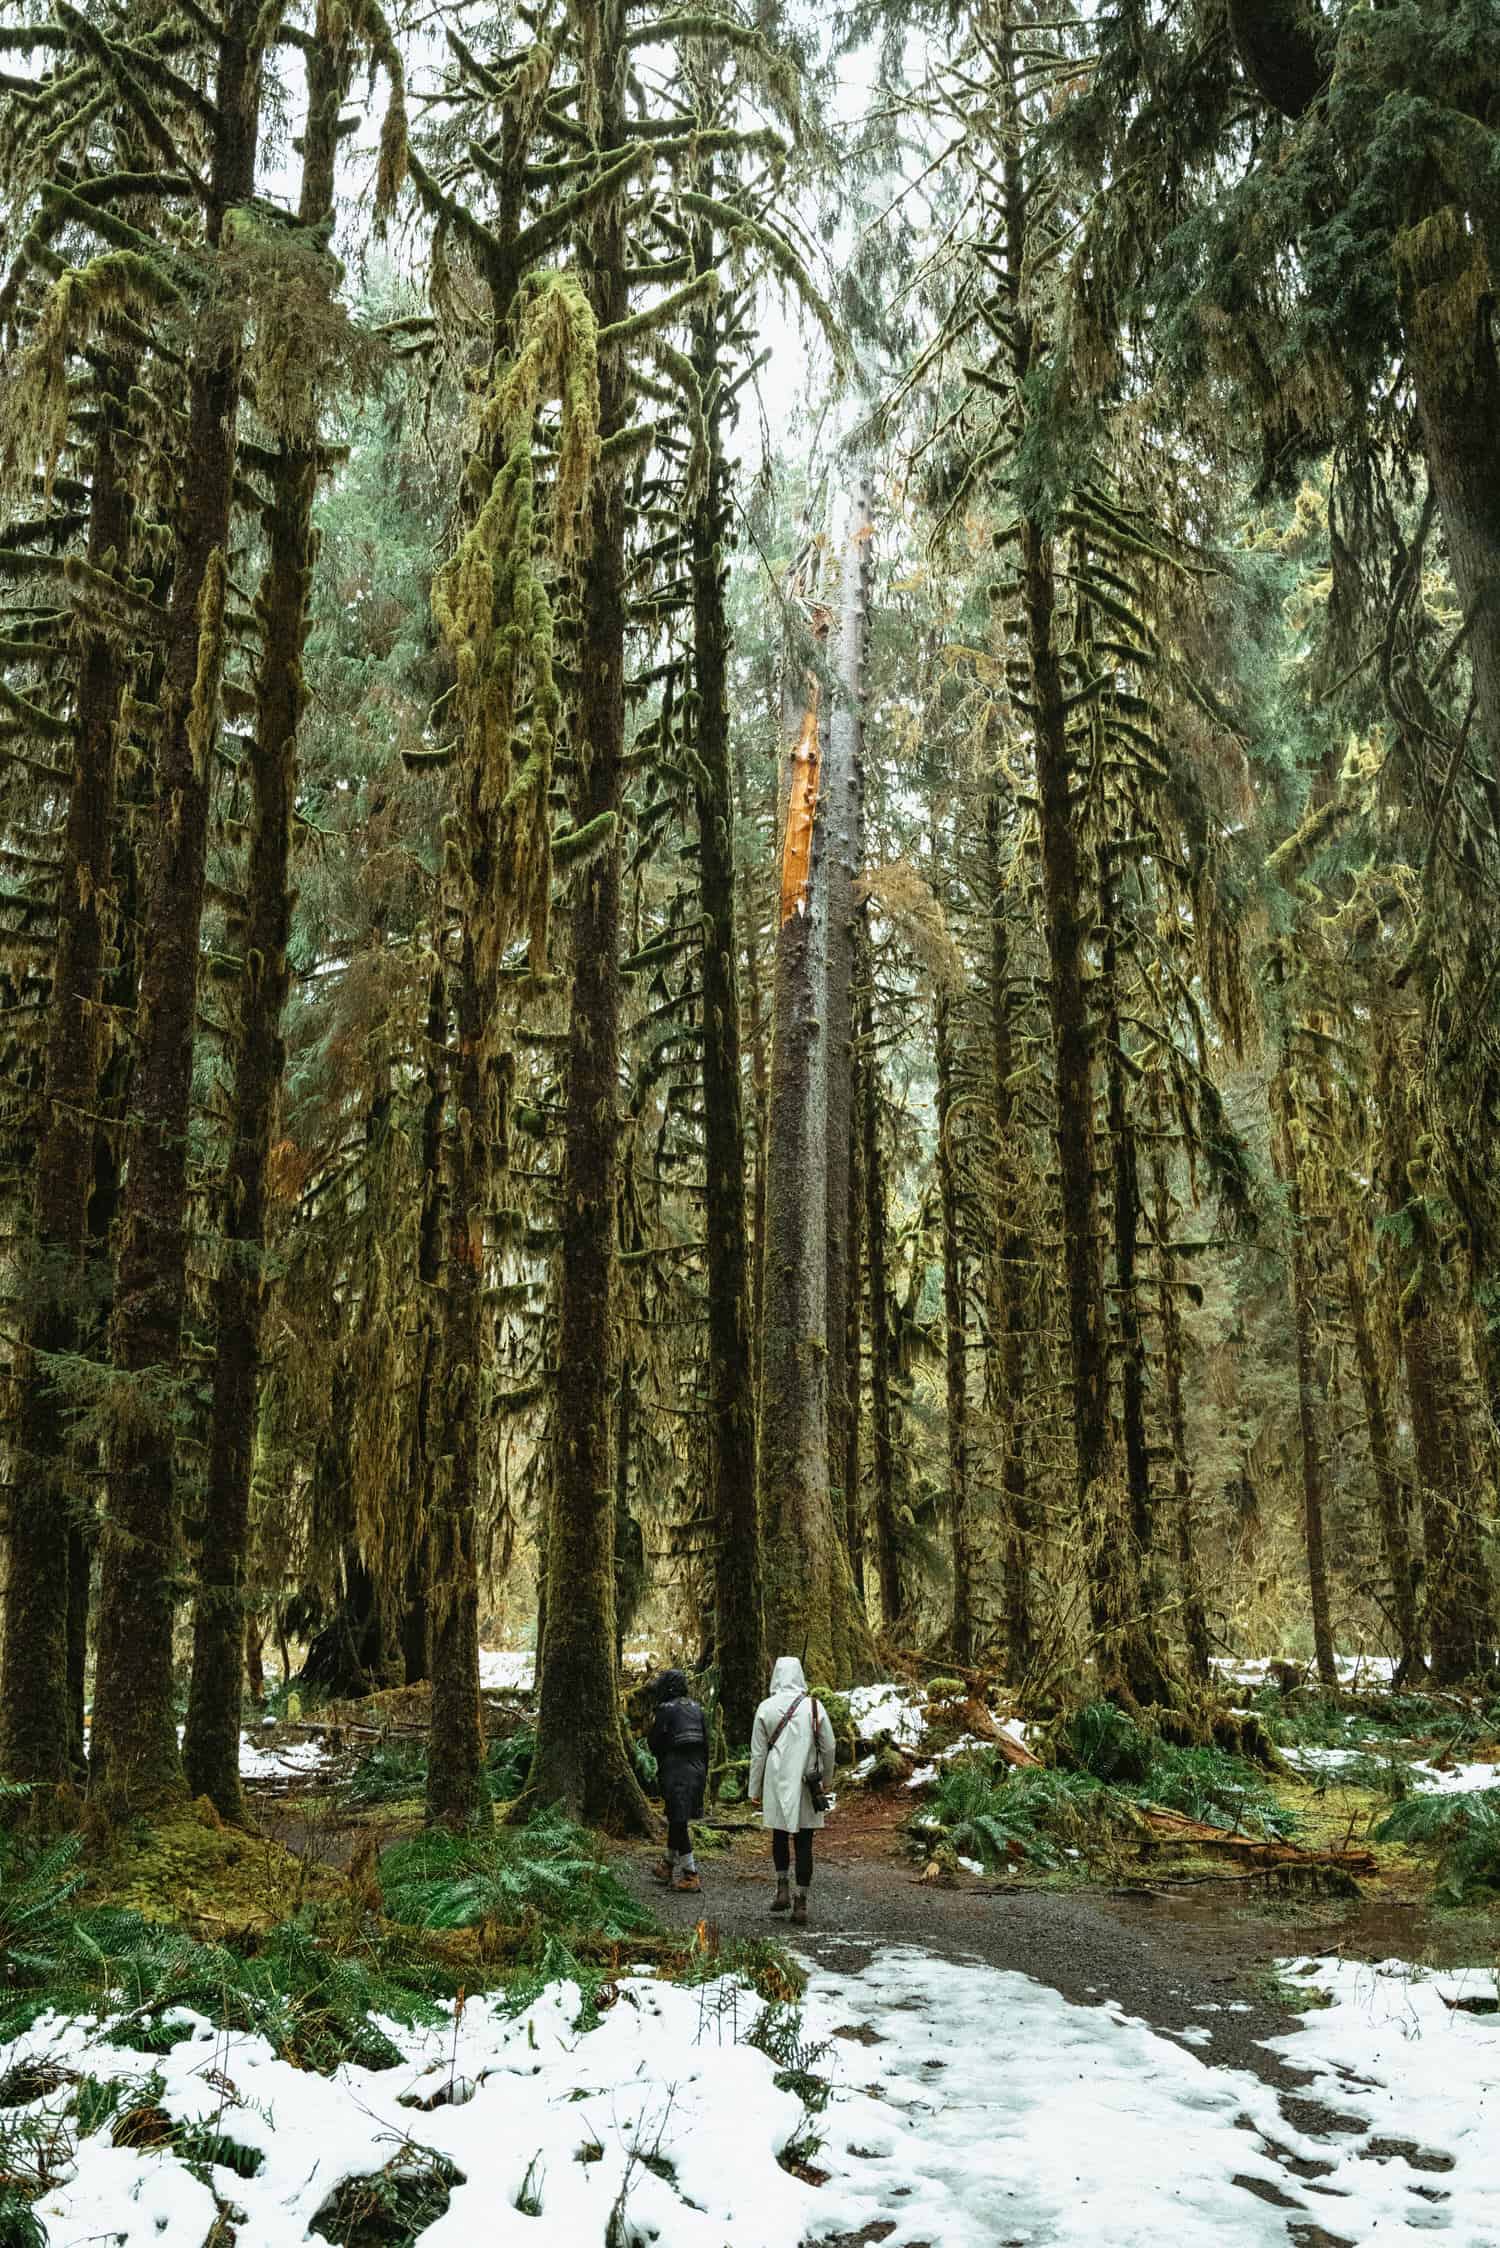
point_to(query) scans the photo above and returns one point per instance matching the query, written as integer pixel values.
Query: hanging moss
(493, 610)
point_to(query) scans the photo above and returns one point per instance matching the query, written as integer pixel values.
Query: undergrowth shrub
(396, 1771)
(1031, 1816)
(1464, 1830)
(38, 1882)
(549, 1868)
(1204, 1783)
(1111, 1770)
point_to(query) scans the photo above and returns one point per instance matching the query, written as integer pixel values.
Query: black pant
(781, 1853)
(679, 1839)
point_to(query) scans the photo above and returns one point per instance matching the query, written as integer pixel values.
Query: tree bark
(47, 1555)
(882, 1346)
(211, 1740)
(135, 1757)
(1014, 1260)
(1126, 1199)
(581, 1759)
(1391, 1498)
(1189, 1567)
(739, 1617)
(811, 1602)
(1301, 1274)
(956, 1346)
(1127, 1650)
(842, 850)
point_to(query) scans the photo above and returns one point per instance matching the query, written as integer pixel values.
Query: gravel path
(1163, 1961)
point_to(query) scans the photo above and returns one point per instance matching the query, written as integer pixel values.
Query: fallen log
(1252, 1849)
(987, 1728)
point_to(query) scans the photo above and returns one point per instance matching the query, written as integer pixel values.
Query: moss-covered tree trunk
(882, 1342)
(796, 1515)
(1301, 1275)
(854, 1651)
(1390, 1495)
(416, 1632)
(739, 1624)
(211, 1738)
(457, 1792)
(1126, 1648)
(843, 849)
(46, 1555)
(1125, 1201)
(1459, 1596)
(955, 1343)
(1012, 1266)
(853, 1477)
(1193, 1608)
(135, 1757)
(581, 1759)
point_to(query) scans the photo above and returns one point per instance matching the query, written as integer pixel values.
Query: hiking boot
(782, 1901)
(664, 1871)
(688, 1884)
(799, 1909)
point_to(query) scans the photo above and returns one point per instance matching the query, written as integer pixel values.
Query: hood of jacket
(788, 1677)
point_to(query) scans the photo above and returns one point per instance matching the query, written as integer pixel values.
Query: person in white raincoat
(792, 1742)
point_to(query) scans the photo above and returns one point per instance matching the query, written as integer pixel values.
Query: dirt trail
(1162, 1959)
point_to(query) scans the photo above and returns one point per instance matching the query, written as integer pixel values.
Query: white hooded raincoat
(778, 1775)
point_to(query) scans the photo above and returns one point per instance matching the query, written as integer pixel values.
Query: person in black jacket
(679, 1742)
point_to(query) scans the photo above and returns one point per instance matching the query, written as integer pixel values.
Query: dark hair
(672, 1686)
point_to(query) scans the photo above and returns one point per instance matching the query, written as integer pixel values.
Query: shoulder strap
(785, 1722)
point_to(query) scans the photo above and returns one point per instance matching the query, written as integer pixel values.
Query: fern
(1463, 1829)
(548, 1868)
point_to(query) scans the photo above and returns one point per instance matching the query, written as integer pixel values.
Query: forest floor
(1031, 2019)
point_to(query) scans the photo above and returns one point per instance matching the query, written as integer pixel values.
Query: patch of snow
(506, 1670)
(889, 1709)
(1355, 1669)
(971, 1865)
(512, 1670)
(863, 1769)
(923, 1776)
(1459, 1779)
(278, 1763)
(1077, 2125)
(1196, 2035)
(1463, 1779)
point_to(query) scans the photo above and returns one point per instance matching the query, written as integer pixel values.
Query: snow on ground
(505, 1670)
(1354, 1670)
(972, 2107)
(887, 1708)
(1457, 1779)
(512, 1670)
(295, 1757)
